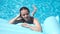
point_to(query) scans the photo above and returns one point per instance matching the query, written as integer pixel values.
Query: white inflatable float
(50, 26)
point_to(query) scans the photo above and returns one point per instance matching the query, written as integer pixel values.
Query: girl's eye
(26, 14)
(23, 14)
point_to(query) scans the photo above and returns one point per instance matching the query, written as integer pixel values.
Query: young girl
(26, 19)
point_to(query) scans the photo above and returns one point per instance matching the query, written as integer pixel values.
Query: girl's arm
(37, 26)
(14, 19)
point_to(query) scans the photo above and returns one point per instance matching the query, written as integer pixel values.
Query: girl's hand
(18, 15)
(25, 25)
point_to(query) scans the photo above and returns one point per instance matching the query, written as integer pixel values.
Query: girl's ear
(20, 15)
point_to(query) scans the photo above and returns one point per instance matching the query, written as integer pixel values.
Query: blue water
(45, 8)
(10, 8)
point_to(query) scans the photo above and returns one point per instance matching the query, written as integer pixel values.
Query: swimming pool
(10, 8)
(45, 8)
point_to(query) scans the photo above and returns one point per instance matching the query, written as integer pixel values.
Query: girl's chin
(26, 19)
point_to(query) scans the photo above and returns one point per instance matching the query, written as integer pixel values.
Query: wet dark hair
(24, 8)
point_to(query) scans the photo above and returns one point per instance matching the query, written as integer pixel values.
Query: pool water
(45, 8)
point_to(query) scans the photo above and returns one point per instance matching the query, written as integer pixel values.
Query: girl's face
(25, 14)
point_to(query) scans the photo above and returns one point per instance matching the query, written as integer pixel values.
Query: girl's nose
(26, 16)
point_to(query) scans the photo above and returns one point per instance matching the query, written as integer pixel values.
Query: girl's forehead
(24, 11)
